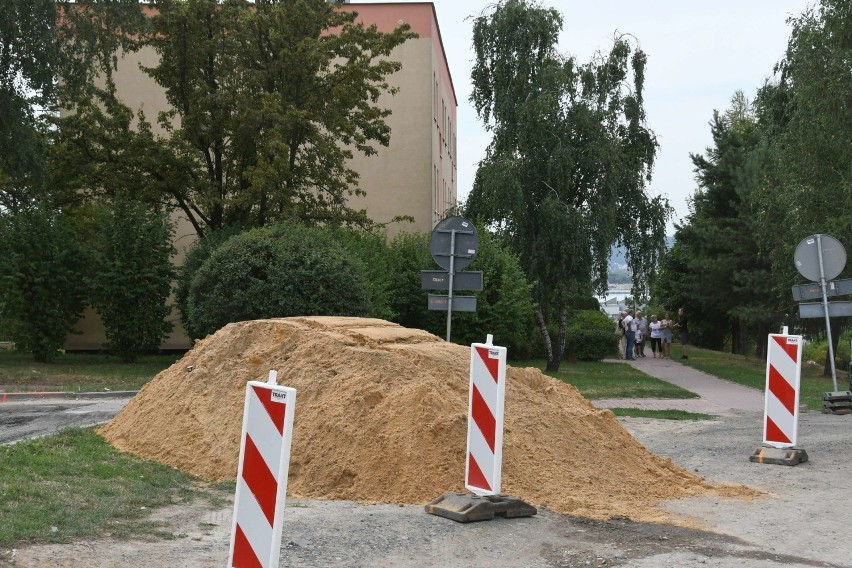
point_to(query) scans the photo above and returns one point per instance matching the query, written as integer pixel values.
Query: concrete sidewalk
(717, 396)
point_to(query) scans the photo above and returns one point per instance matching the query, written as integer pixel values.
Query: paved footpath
(717, 396)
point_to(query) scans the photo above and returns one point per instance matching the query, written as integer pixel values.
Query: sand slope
(381, 417)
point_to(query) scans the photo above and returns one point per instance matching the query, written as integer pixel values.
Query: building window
(435, 99)
(444, 121)
(450, 136)
(435, 196)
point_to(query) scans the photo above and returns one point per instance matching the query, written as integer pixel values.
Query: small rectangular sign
(460, 303)
(440, 280)
(814, 291)
(815, 310)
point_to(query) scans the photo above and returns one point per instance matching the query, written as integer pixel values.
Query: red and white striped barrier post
(783, 375)
(262, 474)
(484, 457)
(485, 418)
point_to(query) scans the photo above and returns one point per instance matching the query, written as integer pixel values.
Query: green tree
(26, 80)
(780, 170)
(48, 51)
(42, 279)
(814, 150)
(268, 102)
(565, 174)
(36, 48)
(807, 115)
(132, 276)
(719, 271)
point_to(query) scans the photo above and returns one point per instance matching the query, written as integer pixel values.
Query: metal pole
(450, 293)
(825, 310)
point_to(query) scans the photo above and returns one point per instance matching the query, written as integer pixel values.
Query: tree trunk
(545, 340)
(560, 341)
(760, 344)
(735, 337)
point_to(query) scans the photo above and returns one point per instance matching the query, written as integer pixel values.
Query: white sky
(699, 54)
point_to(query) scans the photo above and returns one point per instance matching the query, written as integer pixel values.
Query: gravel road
(803, 521)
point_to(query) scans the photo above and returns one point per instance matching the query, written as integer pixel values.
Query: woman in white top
(666, 326)
(656, 336)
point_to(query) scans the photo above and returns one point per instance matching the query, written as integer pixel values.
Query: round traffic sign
(806, 257)
(466, 241)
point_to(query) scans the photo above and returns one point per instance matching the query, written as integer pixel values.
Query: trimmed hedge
(589, 336)
(281, 272)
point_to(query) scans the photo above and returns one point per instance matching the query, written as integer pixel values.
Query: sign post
(820, 258)
(453, 245)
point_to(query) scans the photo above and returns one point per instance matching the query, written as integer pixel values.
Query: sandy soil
(381, 417)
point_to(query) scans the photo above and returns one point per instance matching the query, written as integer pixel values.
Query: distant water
(613, 300)
(613, 293)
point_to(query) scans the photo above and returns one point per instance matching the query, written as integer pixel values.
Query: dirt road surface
(804, 520)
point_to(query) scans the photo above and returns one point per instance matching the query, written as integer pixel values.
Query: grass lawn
(610, 380)
(751, 372)
(78, 372)
(661, 414)
(75, 485)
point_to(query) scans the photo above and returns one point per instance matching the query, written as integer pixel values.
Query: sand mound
(381, 417)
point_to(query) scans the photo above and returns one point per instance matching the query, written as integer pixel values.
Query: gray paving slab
(716, 396)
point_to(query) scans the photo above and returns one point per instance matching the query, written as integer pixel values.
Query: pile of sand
(381, 417)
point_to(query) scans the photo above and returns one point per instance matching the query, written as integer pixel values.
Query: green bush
(42, 267)
(504, 307)
(371, 248)
(132, 276)
(285, 271)
(195, 258)
(409, 254)
(590, 336)
(817, 350)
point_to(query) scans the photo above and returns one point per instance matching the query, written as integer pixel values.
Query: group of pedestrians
(634, 331)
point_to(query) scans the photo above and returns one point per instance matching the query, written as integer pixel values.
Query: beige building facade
(416, 175)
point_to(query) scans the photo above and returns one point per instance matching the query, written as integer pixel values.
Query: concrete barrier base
(779, 456)
(467, 507)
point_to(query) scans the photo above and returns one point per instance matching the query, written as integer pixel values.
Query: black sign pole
(825, 308)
